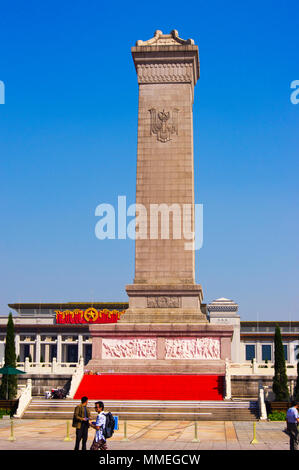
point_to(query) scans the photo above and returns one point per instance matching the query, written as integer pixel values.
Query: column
(80, 346)
(37, 348)
(31, 349)
(59, 348)
(47, 353)
(258, 352)
(17, 344)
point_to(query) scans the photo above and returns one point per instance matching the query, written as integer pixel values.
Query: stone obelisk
(165, 330)
(164, 287)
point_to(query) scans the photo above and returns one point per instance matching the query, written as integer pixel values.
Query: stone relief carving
(135, 348)
(162, 301)
(159, 73)
(162, 125)
(193, 348)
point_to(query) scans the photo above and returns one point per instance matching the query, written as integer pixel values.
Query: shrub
(277, 416)
(4, 412)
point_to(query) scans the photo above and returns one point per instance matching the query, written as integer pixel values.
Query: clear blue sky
(68, 143)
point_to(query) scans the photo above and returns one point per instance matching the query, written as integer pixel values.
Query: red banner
(90, 315)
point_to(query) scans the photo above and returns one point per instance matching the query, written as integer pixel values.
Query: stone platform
(160, 348)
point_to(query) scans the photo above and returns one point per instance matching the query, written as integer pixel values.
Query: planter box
(279, 406)
(9, 405)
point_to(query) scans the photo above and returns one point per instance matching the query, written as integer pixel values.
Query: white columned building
(224, 311)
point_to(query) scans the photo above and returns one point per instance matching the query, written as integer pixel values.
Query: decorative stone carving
(162, 126)
(165, 73)
(161, 39)
(192, 348)
(134, 348)
(162, 301)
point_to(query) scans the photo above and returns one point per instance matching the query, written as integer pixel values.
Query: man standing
(99, 442)
(292, 420)
(81, 423)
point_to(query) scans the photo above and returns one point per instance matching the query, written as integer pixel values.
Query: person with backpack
(99, 442)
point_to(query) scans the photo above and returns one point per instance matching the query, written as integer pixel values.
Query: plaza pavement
(148, 435)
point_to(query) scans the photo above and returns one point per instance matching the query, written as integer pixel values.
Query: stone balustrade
(76, 379)
(44, 368)
(256, 368)
(24, 399)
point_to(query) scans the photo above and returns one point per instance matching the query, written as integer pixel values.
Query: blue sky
(68, 133)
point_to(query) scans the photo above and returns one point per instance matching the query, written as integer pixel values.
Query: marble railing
(54, 367)
(256, 368)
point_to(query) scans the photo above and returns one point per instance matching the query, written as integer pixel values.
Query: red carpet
(151, 387)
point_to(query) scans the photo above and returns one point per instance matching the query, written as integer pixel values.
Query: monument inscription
(161, 301)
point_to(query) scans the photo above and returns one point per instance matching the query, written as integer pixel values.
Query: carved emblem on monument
(162, 125)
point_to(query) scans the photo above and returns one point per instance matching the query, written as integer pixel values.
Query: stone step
(69, 403)
(163, 367)
(149, 410)
(159, 416)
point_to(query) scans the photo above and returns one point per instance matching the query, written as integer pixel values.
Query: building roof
(70, 305)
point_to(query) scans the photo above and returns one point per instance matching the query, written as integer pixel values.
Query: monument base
(165, 303)
(159, 348)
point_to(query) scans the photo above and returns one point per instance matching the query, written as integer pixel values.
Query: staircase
(152, 387)
(40, 408)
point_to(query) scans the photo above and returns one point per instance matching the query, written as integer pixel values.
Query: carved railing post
(24, 399)
(228, 390)
(262, 404)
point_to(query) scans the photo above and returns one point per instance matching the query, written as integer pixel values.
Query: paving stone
(149, 435)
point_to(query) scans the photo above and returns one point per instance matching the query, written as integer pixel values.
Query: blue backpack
(109, 425)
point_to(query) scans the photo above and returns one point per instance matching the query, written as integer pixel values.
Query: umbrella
(8, 370)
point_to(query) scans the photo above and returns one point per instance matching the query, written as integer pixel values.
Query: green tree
(9, 382)
(280, 380)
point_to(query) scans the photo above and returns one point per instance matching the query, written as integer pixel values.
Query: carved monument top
(161, 39)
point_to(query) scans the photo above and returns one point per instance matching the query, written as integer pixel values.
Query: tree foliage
(280, 380)
(9, 382)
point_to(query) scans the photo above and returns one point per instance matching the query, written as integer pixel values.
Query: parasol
(8, 370)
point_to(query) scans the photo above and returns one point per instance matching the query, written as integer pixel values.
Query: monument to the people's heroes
(165, 329)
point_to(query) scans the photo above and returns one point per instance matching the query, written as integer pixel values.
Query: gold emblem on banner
(91, 314)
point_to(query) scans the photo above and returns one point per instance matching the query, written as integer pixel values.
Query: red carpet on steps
(151, 387)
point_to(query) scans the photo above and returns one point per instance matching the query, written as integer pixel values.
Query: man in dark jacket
(81, 423)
